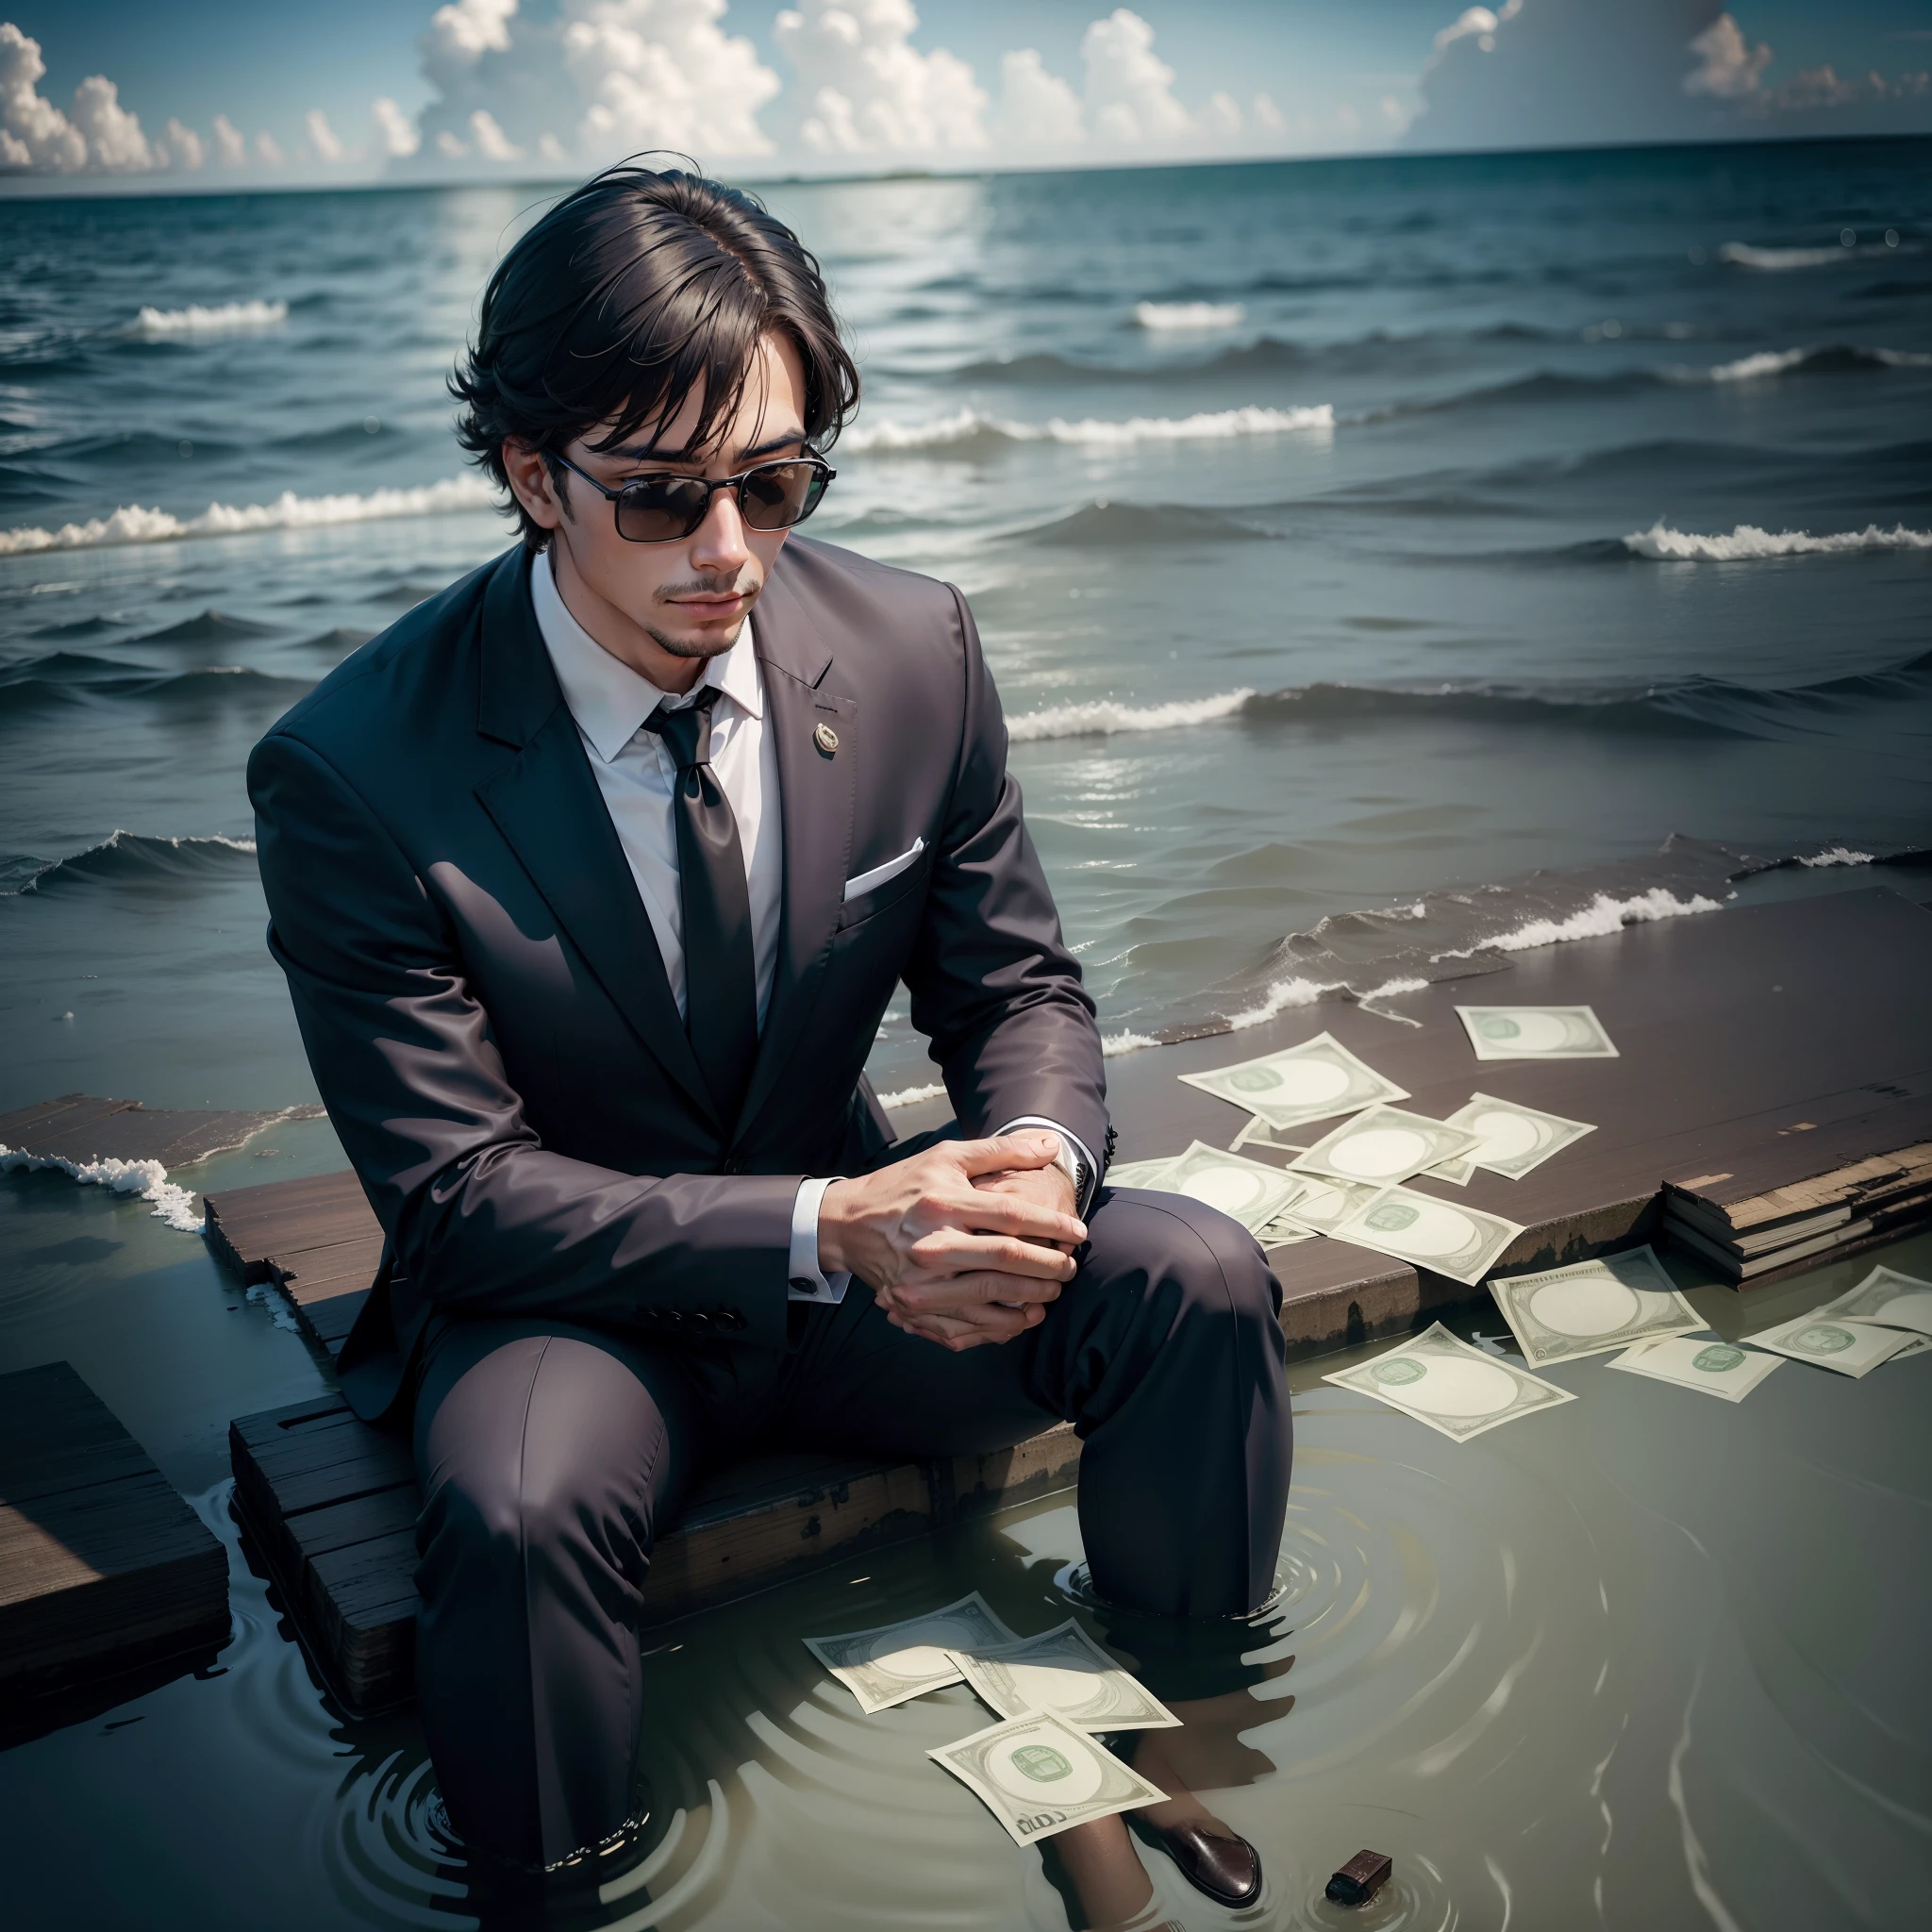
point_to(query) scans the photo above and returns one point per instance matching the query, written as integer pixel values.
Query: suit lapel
(546, 805)
(815, 790)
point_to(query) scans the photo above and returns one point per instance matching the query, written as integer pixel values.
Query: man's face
(686, 599)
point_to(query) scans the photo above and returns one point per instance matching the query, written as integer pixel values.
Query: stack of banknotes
(1348, 1181)
(1042, 1768)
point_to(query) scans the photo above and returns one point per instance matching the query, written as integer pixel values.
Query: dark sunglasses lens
(781, 494)
(661, 510)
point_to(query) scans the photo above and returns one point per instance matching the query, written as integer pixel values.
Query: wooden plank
(102, 1565)
(82, 1127)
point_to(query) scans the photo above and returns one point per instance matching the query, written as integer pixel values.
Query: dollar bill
(1513, 1138)
(1457, 1390)
(1258, 1133)
(1535, 1033)
(1593, 1307)
(1313, 1081)
(1322, 1204)
(1249, 1191)
(1461, 1242)
(892, 1662)
(1139, 1174)
(1063, 1672)
(1283, 1232)
(1038, 1776)
(1852, 1348)
(1712, 1368)
(1382, 1145)
(1890, 1299)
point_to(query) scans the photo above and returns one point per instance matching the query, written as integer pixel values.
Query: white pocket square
(880, 874)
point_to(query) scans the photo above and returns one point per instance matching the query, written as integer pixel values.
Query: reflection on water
(1646, 1660)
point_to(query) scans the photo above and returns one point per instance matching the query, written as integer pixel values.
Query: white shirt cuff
(806, 1281)
(1072, 1157)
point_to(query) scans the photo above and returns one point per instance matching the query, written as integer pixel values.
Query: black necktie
(721, 986)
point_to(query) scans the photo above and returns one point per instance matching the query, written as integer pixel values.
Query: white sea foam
(1751, 368)
(1101, 717)
(146, 1179)
(1748, 544)
(1772, 260)
(911, 1096)
(1770, 362)
(1280, 995)
(132, 524)
(1837, 854)
(1113, 1044)
(1603, 916)
(1177, 315)
(228, 317)
(970, 426)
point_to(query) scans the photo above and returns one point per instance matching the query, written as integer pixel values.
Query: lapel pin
(825, 739)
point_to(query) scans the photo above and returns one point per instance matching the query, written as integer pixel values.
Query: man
(591, 887)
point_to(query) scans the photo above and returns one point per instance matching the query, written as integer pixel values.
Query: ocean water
(1380, 561)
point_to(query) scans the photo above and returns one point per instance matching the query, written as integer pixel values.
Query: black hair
(634, 291)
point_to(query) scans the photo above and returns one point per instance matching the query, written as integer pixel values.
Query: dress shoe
(1212, 1858)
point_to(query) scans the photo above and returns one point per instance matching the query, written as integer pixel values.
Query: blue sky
(748, 90)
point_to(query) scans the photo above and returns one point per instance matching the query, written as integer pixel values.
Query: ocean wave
(224, 319)
(1836, 855)
(1830, 358)
(1693, 707)
(134, 523)
(131, 858)
(1129, 525)
(1748, 544)
(1189, 315)
(73, 677)
(1604, 914)
(1774, 261)
(966, 428)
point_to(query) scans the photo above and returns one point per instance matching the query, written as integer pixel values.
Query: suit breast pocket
(870, 893)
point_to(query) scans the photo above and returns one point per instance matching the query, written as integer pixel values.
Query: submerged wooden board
(103, 1566)
(317, 1240)
(80, 1127)
(331, 1505)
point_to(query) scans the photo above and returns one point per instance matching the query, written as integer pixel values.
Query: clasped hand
(965, 1243)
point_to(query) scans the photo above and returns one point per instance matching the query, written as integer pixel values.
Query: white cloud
(322, 137)
(395, 133)
(446, 143)
(230, 149)
(869, 90)
(95, 132)
(663, 73)
(1268, 117)
(1731, 66)
(268, 150)
(493, 143)
(1129, 88)
(462, 34)
(1038, 110)
(182, 146)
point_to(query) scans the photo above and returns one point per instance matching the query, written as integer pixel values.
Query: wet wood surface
(102, 1565)
(81, 1128)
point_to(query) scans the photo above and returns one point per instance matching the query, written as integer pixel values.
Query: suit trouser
(549, 1453)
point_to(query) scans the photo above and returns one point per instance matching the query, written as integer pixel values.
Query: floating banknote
(1039, 1776)
(1890, 1299)
(1249, 1191)
(1712, 1368)
(1310, 1082)
(1852, 1348)
(892, 1662)
(1063, 1672)
(1382, 1145)
(1139, 1174)
(1258, 1133)
(1594, 1305)
(1461, 1242)
(1283, 1232)
(1514, 1138)
(1322, 1204)
(1535, 1033)
(1457, 1390)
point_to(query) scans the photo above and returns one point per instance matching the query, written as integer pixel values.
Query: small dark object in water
(1360, 1879)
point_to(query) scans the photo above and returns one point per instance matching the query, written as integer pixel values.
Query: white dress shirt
(638, 780)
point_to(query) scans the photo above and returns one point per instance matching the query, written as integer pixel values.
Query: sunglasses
(661, 510)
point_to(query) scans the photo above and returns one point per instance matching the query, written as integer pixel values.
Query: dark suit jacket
(485, 1010)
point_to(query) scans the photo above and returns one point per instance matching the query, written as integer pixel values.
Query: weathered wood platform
(331, 1505)
(103, 1566)
(1783, 1050)
(81, 1128)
